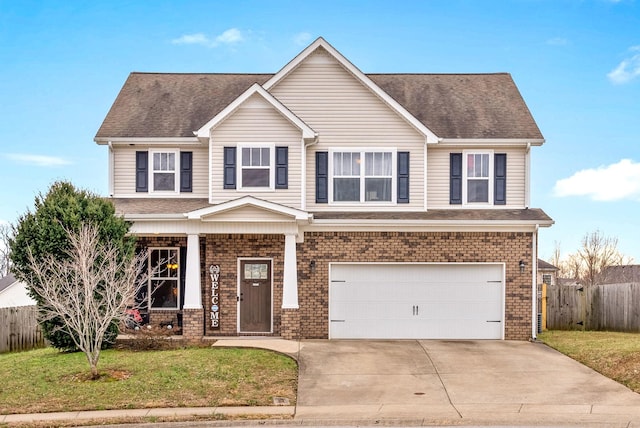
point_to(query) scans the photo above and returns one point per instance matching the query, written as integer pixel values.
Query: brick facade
(326, 247)
(311, 320)
(225, 250)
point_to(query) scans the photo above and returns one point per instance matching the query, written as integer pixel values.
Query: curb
(143, 413)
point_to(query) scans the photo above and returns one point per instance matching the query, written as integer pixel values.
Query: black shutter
(186, 171)
(229, 168)
(500, 179)
(403, 177)
(455, 180)
(282, 167)
(322, 177)
(142, 171)
(183, 274)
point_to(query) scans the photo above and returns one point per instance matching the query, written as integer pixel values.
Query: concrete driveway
(458, 382)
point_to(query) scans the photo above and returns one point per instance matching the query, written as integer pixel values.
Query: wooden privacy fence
(19, 329)
(613, 307)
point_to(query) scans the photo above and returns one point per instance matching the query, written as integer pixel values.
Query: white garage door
(416, 301)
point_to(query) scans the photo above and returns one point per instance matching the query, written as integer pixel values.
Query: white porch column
(192, 292)
(290, 280)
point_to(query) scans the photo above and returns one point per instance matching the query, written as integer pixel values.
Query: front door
(255, 296)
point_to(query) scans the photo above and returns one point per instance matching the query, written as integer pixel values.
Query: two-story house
(322, 202)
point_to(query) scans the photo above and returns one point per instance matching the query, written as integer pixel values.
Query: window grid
(256, 170)
(164, 274)
(354, 182)
(164, 167)
(478, 178)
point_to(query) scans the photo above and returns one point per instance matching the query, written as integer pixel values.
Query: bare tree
(598, 252)
(572, 267)
(556, 258)
(89, 290)
(5, 251)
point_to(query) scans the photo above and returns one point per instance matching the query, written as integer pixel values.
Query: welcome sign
(214, 273)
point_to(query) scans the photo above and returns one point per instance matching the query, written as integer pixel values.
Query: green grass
(615, 355)
(46, 380)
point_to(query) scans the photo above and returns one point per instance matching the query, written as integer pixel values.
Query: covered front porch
(236, 268)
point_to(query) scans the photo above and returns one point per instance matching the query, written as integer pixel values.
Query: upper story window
(256, 168)
(546, 278)
(477, 177)
(362, 176)
(163, 171)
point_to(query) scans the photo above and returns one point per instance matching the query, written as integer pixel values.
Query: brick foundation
(192, 324)
(290, 327)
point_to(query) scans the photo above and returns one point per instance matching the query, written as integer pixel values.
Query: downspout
(534, 282)
(111, 173)
(527, 173)
(303, 196)
(425, 194)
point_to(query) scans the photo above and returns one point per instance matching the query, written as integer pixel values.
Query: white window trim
(362, 151)
(176, 182)
(152, 278)
(272, 167)
(491, 178)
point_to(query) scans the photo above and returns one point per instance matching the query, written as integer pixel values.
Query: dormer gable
(255, 90)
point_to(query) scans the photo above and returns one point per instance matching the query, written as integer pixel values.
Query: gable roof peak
(430, 136)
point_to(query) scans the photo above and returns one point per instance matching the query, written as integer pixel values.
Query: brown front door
(255, 296)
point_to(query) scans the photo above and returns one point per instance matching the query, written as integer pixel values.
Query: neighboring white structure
(14, 293)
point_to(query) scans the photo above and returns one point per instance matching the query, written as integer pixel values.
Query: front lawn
(45, 380)
(615, 355)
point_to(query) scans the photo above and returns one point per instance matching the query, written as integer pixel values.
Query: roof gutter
(493, 141)
(146, 140)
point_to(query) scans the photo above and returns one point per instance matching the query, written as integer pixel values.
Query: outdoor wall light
(312, 266)
(521, 264)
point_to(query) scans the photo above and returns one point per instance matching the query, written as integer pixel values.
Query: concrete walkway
(429, 382)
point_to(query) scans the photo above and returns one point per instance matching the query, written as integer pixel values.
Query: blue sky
(577, 64)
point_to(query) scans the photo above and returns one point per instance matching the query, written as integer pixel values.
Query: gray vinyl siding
(438, 175)
(124, 178)
(258, 122)
(347, 114)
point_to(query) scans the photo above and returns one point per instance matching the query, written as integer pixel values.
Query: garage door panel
(398, 301)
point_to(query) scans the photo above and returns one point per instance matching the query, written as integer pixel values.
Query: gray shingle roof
(451, 105)
(543, 265)
(7, 281)
(126, 206)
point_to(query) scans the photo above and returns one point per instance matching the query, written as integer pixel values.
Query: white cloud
(302, 39)
(606, 183)
(228, 37)
(232, 35)
(38, 160)
(628, 69)
(558, 41)
(191, 39)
